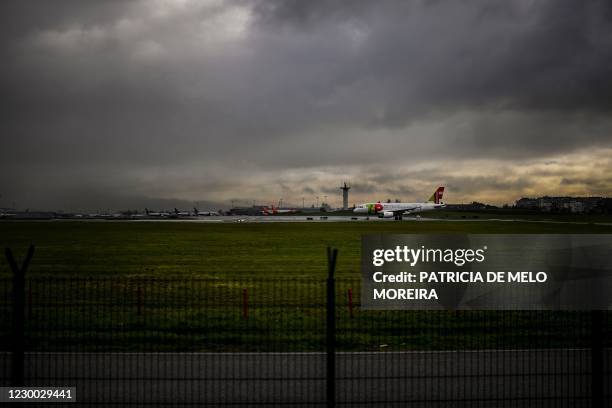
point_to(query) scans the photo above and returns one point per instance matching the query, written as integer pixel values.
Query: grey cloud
(602, 184)
(308, 190)
(524, 55)
(470, 185)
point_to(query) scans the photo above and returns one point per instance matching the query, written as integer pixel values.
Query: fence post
(245, 304)
(139, 299)
(597, 375)
(17, 377)
(350, 302)
(331, 327)
(29, 301)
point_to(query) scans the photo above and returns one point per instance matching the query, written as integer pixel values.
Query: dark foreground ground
(510, 378)
(113, 287)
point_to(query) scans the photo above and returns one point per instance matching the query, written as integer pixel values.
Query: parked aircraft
(156, 214)
(199, 213)
(276, 210)
(397, 210)
(181, 213)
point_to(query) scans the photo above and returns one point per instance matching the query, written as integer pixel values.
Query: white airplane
(199, 213)
(396, 210)
(156, 214)
(178, 213)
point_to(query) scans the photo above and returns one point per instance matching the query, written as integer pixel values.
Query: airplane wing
(406, 209)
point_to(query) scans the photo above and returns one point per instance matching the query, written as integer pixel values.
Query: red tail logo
(436, 197)
(439, 193)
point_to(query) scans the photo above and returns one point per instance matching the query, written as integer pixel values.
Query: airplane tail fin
(436, 197)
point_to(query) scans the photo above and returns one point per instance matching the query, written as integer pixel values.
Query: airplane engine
(385, 214)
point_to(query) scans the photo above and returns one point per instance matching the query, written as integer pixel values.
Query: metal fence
(290, 342)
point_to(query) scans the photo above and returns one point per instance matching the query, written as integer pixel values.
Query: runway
(237, 219)
(231, 219)
(495, 378)
(258, 219)
(287, 218)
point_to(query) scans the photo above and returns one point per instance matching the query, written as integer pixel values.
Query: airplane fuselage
(381, 208)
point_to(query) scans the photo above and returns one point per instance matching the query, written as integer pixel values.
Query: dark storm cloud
(212, 100)
(547, 55)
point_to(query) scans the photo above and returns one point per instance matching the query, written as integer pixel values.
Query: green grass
(130, 249)
(516, 214)
(128, 286)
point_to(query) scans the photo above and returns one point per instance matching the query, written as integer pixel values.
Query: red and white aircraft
(276, 210)
(396, 210)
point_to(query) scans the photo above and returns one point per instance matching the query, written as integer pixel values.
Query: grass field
(252, 250)
(179, 287)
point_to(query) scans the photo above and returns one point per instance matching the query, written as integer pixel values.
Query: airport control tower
(345, 190)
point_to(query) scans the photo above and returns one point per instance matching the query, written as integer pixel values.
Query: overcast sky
(116, 104)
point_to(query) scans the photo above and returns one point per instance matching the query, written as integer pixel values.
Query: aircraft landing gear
(397, 217)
